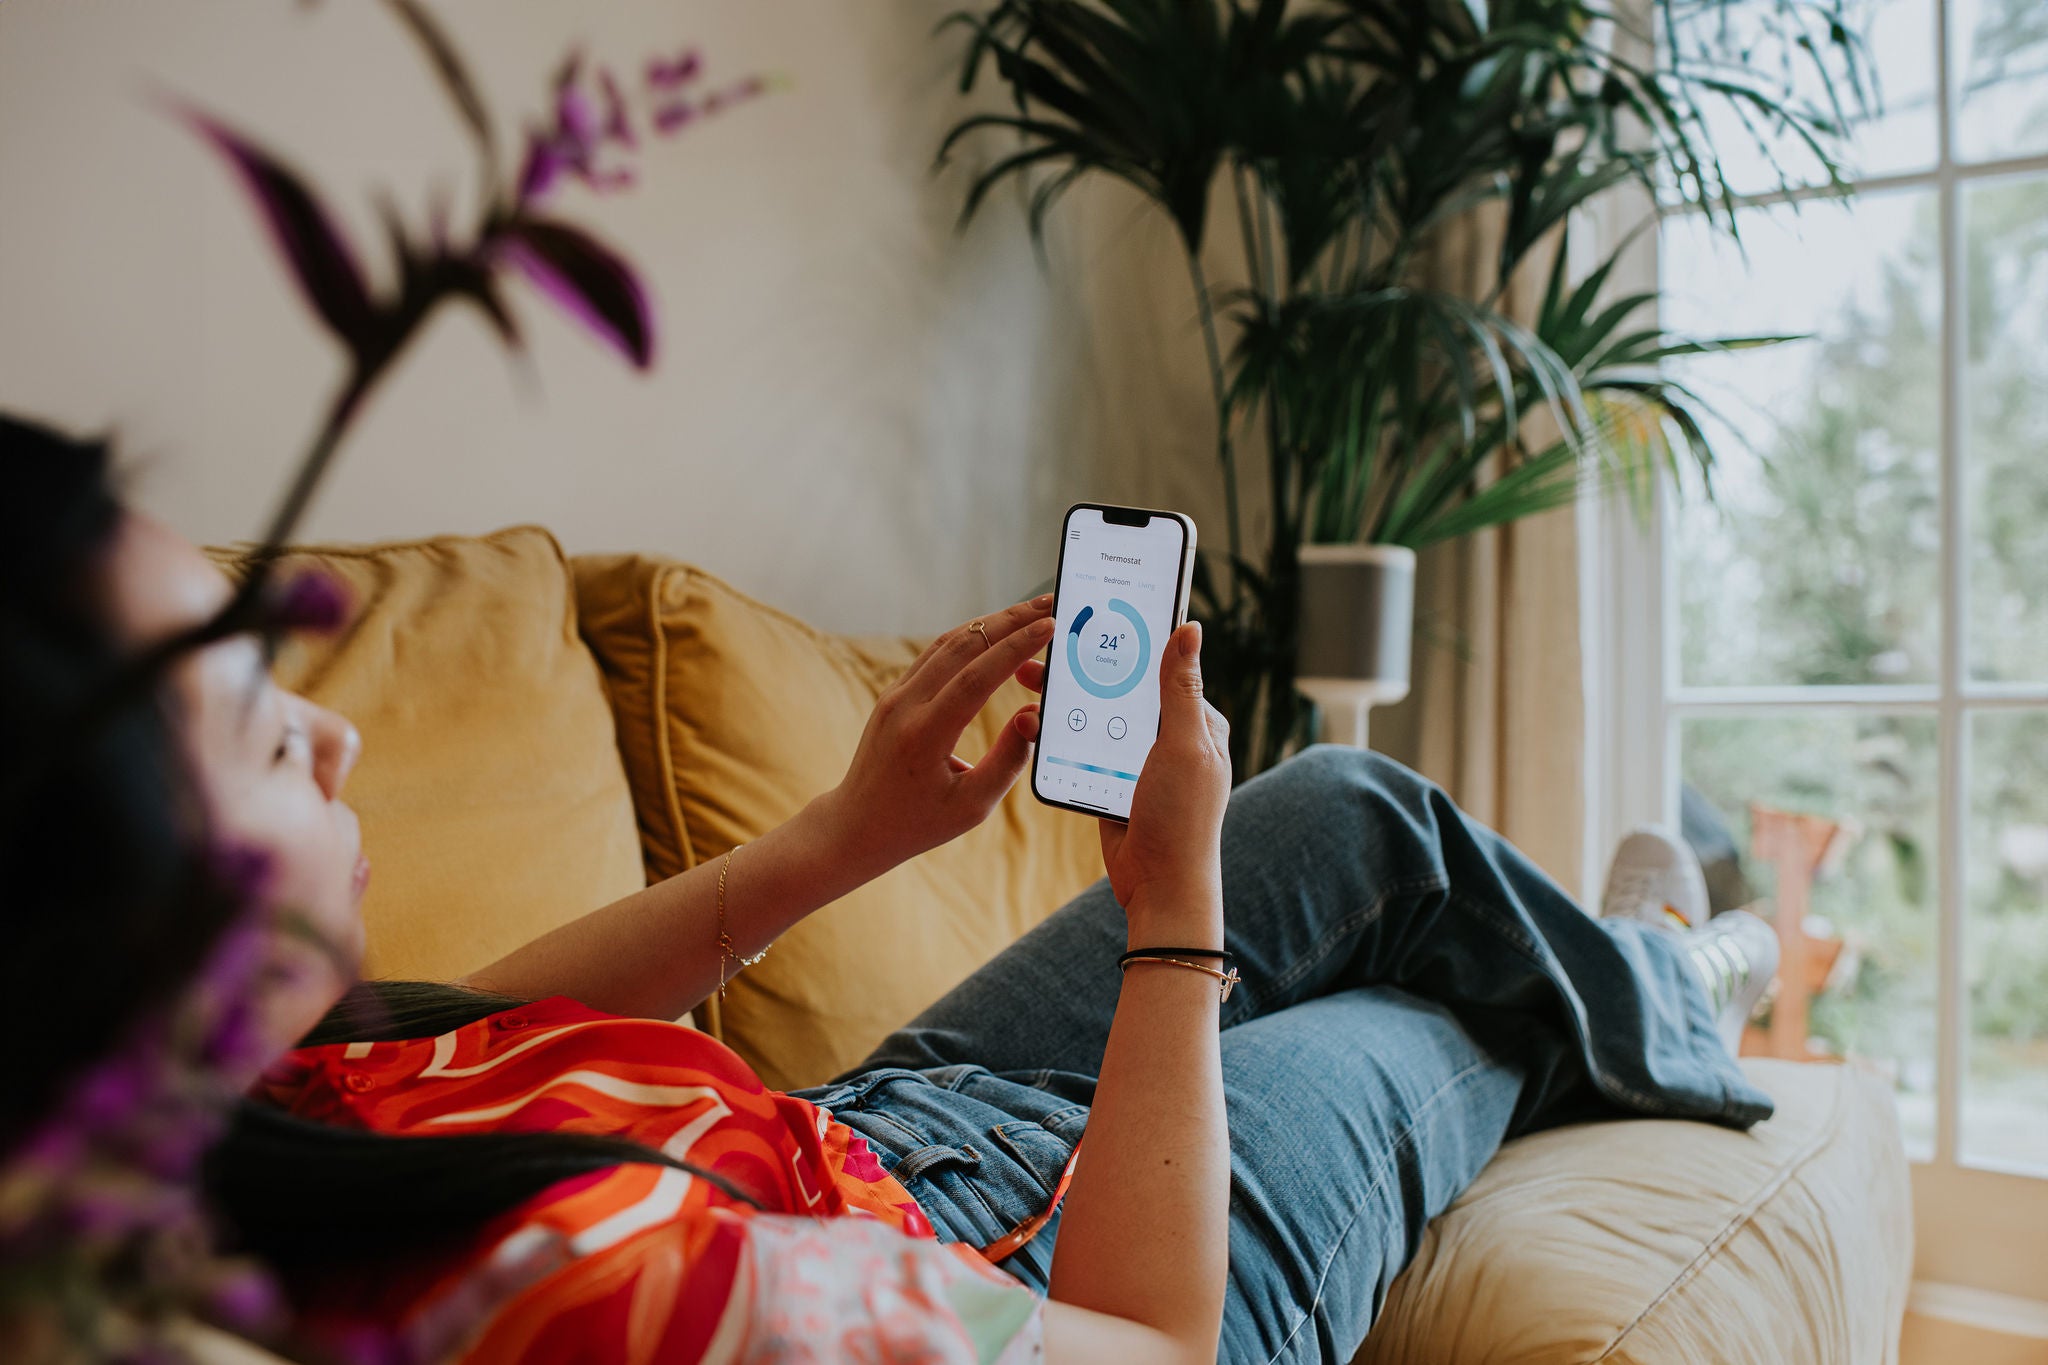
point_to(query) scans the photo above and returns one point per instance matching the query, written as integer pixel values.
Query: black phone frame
(1181, 589)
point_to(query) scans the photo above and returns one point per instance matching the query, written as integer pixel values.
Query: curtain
(1496, 712)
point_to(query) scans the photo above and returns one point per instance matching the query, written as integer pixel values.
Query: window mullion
(1950, 993)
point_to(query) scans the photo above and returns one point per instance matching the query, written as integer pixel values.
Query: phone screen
(1119, 593)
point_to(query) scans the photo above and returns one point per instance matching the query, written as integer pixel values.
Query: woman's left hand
(906, 790)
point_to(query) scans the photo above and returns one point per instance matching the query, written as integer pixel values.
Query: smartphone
(1121, 591)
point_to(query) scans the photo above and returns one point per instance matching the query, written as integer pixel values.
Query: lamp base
(1346, 704)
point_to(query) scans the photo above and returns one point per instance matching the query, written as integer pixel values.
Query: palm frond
(1354, 136)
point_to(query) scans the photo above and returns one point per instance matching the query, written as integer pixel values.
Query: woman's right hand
(1166, 865)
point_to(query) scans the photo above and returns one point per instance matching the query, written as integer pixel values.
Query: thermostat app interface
(1119, 593)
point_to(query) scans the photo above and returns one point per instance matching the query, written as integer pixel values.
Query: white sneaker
(1736, 956)
(1656, 878)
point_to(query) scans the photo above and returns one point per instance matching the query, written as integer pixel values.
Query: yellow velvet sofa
(543, 735)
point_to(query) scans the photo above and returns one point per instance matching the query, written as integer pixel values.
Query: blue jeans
(1415, 993)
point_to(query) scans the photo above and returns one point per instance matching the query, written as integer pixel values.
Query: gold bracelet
(1229, 979)
(725, 945)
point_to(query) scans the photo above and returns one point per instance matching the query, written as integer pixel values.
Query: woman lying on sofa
(534, 1165)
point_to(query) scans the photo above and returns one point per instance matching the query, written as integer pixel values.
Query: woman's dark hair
(106, 902)
(300, 1193)
(109, 909)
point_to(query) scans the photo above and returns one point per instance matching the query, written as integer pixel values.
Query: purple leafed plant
(101, 1231)
(587, 137)
(101, 1234)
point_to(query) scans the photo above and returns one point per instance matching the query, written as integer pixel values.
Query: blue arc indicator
(1109, 691)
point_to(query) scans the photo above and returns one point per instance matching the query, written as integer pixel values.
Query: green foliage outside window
(1821, 566)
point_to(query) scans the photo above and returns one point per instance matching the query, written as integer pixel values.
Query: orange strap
(1013, 1241)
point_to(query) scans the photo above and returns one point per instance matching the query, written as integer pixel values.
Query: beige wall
(857, 412)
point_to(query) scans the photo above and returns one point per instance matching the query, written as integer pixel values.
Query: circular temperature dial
(1108, 657)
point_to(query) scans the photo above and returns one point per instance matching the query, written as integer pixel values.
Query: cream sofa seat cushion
(493, 801)
(1664, 1243)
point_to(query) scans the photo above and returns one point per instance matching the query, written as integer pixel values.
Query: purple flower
(224, 996)
(582, 126)
(108, 1213)
(750, 88)
(670, 117)
(246, 1299)
(237, 958)
(112, 1092)
(236, 1044)
(667, 75)
(365, 1345)
(171, 1144)
(571, 143)
(618, 125)
(56, 1146)
(101, 1193)
(544, 166)
(312, 601)
(575, 119)
(242, 871)
(99, 1215)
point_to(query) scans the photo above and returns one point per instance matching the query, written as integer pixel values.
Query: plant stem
(1247, 231)
(1254, 225)
(1268, 248)
(1225, 450)
(362, 377)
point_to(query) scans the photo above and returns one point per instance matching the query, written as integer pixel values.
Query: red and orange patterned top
(642, 1263)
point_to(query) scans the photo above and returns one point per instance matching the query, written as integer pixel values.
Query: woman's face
(270, 765)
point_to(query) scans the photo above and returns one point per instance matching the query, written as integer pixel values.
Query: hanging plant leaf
(587, 279)
(312, 243)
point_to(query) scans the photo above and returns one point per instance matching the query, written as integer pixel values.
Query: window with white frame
(1856, 625)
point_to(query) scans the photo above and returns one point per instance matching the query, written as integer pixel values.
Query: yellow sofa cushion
(731, 716)
(493, 802)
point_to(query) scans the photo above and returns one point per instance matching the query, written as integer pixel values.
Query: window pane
(2005, 244)
(2005, 1096)
(2001, 54)
(1901, 137)
(1875, 773)
(1820, 563)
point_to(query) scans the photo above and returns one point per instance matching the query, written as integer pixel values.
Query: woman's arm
(1144, 1236)
(655, 953)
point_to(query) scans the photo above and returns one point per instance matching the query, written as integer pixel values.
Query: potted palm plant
(1359, 139)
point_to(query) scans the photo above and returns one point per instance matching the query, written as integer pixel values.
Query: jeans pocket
(950, 1184)
(980, 1157)
(1035, 1152)
(933, 1158)
(1067, 1124)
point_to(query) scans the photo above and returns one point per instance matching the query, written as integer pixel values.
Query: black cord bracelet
(1229, 959)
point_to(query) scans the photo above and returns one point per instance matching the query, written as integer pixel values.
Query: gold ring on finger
(979, 629)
